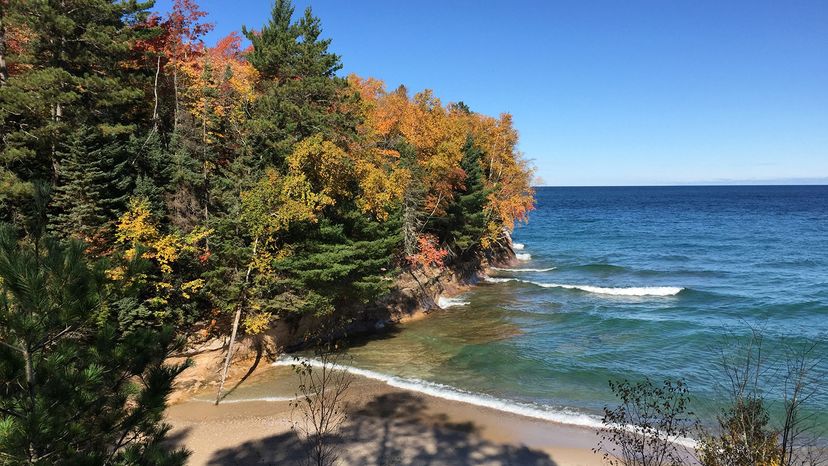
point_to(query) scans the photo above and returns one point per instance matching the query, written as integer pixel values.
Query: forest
(154, 187)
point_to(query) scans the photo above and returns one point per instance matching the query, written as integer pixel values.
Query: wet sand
(385, 426)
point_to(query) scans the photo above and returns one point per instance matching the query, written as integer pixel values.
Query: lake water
(620, 283)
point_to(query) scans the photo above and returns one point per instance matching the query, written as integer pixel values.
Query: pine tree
(77, 389)
(90, 188)
(301, 94)
(345, 261)
(72, 70)
(465, 220)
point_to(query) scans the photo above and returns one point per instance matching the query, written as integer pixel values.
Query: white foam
(450, 302)
(522, 270)
(523, 256)
(518, 246)
(546, 413)
(615, 291)
(631, 291)
(500, 280)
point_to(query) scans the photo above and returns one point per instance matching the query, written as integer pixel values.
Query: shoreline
(386, 425)
(208, 356)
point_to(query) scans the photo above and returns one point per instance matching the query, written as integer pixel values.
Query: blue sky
(606, 92)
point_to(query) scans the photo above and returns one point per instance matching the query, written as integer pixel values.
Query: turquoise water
(663, 273)
(624, 283)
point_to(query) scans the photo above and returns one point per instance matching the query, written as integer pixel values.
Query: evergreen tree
(345, 261)
(72, 70)
(77, 388)
(465, 220)
(91, 186)
(301, 95)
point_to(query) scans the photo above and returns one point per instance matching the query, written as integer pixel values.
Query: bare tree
(803, 377)
(648, 427)
(747, 433)
(320, 402)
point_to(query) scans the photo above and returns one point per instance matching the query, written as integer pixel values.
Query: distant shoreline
(727, 184)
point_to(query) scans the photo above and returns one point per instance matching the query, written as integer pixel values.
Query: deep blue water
(627, 282)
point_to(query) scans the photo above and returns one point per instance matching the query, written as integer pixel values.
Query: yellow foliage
(278, 201)
(219, 85)
(438, 134)
(191, 287)
(116, 273)
(138, 229)
(257, 323)
(380, 190)
(136, 225)
(325, 165)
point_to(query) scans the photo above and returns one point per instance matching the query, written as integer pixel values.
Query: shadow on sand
(392, 429)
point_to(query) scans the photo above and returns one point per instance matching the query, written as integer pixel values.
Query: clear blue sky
(606, 92)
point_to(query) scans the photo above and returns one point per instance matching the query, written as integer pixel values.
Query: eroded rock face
(414, 296)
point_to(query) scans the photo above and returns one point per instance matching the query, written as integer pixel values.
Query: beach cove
(386, 425)
(525, 356)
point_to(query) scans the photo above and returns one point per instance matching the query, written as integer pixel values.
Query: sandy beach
(385, 426)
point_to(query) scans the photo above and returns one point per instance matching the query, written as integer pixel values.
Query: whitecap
(445, 303)
(500, 279)
(500, 269)
(615, 291)
(523, 256)
(619, 291)
(518, 246)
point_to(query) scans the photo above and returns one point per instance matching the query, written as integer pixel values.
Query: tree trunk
(30, 382)
(229, 351)
(236, 320)
(4, 71)
(155, 91)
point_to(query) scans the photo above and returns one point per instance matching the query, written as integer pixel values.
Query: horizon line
(724, 185)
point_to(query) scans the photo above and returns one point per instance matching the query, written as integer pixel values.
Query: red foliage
(205, 256)
(428, 252)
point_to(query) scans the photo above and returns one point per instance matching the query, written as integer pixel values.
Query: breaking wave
(546, 413)
(615, 291)
(445, 303)
(522, 270)
(523, 256)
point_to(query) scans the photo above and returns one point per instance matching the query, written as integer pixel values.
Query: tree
(90, 188)
(342, 262)
(300, 95)
(323, 384)
(77, 388)
(749, 431)
(72, 71)
(464, 224)
(646, 428)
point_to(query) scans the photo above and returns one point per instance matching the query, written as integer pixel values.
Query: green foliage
(465, 220)
(71, 72)
(266, 182)
(345, 261)
(91, 184)
(300, 94)
(77, 388)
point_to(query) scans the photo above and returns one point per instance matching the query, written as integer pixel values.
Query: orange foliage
(429, 254)
(438, 134)
(219, 87)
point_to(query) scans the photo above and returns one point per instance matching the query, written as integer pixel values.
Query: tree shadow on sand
(392, 429)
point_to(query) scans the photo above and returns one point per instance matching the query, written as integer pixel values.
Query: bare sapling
(320, 405)
(649, 426)
(755, 431)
